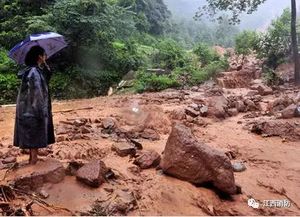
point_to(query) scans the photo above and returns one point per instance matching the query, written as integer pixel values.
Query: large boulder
(195, 162)
(92, 174)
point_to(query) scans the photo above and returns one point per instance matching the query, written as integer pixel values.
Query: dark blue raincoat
(34, 122)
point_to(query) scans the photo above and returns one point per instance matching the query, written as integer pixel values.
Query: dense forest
(110, 38)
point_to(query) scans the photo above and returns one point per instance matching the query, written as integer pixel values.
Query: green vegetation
(279, 36)
(109, 38)
(273, 46)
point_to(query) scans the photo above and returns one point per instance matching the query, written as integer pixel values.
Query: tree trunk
(295, 43)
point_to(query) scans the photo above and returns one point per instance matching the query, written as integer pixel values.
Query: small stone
(150, 134)
(298, 111)
(238, 167)
(85, 130)
(105, 136)
(109, 123)
(264, 90)
(203, 110)
(109, 190)
(233, 112)
(60, 139)
(240, 106)
(124, 149)
(9, 160)
(44, 194)
(250, 105)
(76, 137)
(194, 106)
(86, 137)
(190, 119)
(73, 167)
(79, 123)
(192, 112)
(134, 170)
(200, 122)
(147, 159)
(252, 93)
(136, 144)
(44, 152)
(62, 129)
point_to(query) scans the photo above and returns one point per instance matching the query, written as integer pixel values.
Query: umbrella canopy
(50, 41)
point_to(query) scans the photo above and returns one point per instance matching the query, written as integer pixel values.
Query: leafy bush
(9, 85)
(274, 45)
(199, 75)
(6, 64)
(169, 55)
(246, 42)
(126, 56)
(152, 82)
(206, 54)
(270, 77)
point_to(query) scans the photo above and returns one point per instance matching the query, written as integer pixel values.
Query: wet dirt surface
(273, 163)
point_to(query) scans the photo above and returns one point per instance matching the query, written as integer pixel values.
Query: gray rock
(238, 167)
(192, 112)
(203, 110)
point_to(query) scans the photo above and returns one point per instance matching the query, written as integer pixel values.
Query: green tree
(246, 42)
(152, 16)
(14, 15)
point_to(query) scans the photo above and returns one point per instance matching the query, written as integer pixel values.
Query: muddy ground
(273, 163)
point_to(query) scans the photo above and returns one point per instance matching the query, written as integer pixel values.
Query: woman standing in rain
(34, 123)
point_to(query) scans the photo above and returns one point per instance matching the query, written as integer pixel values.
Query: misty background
(259, 20)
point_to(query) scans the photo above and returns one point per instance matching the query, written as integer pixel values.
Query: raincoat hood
(23, 72)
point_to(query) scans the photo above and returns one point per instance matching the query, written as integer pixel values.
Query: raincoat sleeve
(35, 94)
(47, 73)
